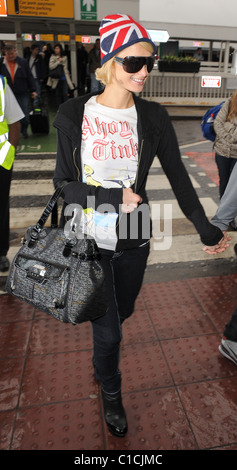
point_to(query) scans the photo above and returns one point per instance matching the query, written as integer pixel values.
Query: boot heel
(114, 413)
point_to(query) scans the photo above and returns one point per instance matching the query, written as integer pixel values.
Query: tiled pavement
(179, 393)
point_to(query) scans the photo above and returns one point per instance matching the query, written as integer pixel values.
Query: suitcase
(39, 120)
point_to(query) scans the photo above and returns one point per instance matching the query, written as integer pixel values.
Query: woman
(106, 144)
(225, 144)
(61, 84)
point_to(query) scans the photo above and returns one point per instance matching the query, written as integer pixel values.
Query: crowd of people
(44, 69)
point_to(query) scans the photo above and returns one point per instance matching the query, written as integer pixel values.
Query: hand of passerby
(33, 94)
(220, 247)
(130, 200)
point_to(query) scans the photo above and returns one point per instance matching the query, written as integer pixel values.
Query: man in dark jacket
(38, 70)
(20, 80)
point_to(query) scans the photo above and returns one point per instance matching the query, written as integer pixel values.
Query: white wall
(107, 7)
(202, 19)
(199, 12)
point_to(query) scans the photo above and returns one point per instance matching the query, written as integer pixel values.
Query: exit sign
(3, 8)
(86, 39)
(211, 81)
(88, 10)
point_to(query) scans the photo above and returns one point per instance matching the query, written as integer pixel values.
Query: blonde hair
(233, 106)
(104, 73)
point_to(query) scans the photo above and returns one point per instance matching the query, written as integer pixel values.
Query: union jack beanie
(118, 32)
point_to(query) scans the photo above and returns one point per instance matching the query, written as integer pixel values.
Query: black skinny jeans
(230, 331)
(124, 273)
(5, 183)
(225, 166)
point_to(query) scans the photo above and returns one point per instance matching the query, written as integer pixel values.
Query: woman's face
(57, 50)
(133, 82)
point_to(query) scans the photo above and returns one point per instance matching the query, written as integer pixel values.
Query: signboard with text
(211, 81)
(3, 8)
(88, 9)
(47, 8)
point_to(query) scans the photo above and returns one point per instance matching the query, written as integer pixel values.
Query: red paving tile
(156, 421)
(6, 426)
(184, 320)
(11, 371)
(178, 391)
(62, 426)
(218, 297)
(196, 359)
(58, 377)
(50, 336)
(144, 367)
(206, 161)
(211, 409)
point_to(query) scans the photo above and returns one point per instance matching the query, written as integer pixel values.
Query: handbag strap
(50, 208)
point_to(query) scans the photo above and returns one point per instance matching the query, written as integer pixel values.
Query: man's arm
(14, 133)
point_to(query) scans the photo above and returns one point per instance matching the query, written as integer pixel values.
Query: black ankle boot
(114, 413)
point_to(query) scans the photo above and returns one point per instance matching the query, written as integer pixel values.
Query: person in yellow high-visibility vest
(10, 116)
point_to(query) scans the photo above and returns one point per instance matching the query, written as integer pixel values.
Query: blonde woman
(61, 84)
(118, 134)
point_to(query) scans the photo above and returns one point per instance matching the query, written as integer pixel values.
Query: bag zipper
(138, 164)
(74, 160)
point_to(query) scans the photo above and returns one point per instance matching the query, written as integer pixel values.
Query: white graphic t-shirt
(109, 158)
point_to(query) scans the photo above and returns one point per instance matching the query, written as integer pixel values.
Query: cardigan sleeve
(169, 156)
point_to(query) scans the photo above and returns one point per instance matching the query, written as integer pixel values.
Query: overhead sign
(3, 8)
(88, 9)
(211, 81)
(27, 37)
(47, 8)
(86, 39)
(158, 35)
(198, 44)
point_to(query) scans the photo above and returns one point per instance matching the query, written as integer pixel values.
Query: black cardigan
(156, 137)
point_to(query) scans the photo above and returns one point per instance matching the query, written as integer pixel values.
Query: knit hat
(118, 32)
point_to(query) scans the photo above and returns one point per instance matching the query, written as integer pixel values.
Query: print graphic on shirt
(125, 181)
(105, 147)
(89, 179)
(109, 152)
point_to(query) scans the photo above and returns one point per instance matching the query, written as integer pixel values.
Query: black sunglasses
(132, 64)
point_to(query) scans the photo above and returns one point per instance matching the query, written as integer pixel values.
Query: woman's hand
(130, 200)
(220, 247)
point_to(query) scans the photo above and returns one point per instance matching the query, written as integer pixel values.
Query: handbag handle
(50, 208)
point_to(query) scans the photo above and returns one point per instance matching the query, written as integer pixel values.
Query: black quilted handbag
(62, 277)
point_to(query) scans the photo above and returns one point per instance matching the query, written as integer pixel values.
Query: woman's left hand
(220, 247)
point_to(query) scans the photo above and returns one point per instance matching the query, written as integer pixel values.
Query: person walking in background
(226, 212)
(10, 116)
(94, 63)
(47, 51)
(82, 61)
(198, 54)
(106, 145)
(61, 83)
(225, 144)
(21, 81)
(38, 69)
